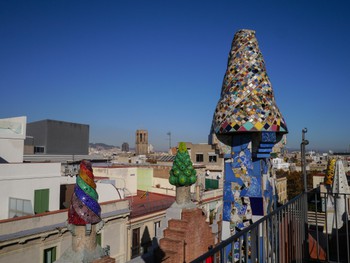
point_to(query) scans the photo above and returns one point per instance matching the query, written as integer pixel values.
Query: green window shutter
(53, 255)
(41, 200)
(45, 199)
(50, 255)
(216, 184)
(98, 239)
(211, 184)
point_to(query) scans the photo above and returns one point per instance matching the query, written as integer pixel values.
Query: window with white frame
(19, 207)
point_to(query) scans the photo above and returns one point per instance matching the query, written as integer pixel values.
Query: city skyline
(120, 66)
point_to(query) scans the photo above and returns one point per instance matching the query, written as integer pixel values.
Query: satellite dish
(207, 173)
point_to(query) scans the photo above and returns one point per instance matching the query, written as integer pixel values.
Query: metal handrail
(255, 226)
(284, 234)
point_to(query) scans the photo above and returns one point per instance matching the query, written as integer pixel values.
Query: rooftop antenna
(169, 134)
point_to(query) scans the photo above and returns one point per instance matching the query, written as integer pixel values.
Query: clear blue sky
(125, 65)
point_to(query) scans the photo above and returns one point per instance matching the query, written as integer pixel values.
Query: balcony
(312, 227)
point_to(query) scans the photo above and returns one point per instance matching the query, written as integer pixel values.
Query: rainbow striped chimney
(84, 220)
(84, 208)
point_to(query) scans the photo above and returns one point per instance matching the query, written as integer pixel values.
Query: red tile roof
(147, 202)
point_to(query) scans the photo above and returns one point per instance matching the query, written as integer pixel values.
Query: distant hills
(104, 146)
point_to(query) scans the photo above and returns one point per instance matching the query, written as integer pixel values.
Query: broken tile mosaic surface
(247, 102)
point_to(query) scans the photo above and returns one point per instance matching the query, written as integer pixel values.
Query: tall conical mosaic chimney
(247, 103)
(246, 126)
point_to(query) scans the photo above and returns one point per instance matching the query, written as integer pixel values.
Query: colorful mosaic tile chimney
(247, 103)
(246, 125)
(84, 221)
(84, 208)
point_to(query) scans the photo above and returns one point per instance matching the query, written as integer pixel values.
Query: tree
(281, 173)
(295, 184)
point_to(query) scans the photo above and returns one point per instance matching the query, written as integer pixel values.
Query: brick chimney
(187, 238)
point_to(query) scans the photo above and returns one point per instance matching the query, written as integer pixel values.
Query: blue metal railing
(312, 227)
(277, 237)
(329, 226)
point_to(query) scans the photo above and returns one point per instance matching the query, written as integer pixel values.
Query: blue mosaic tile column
(244, 192)
(238, 183)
